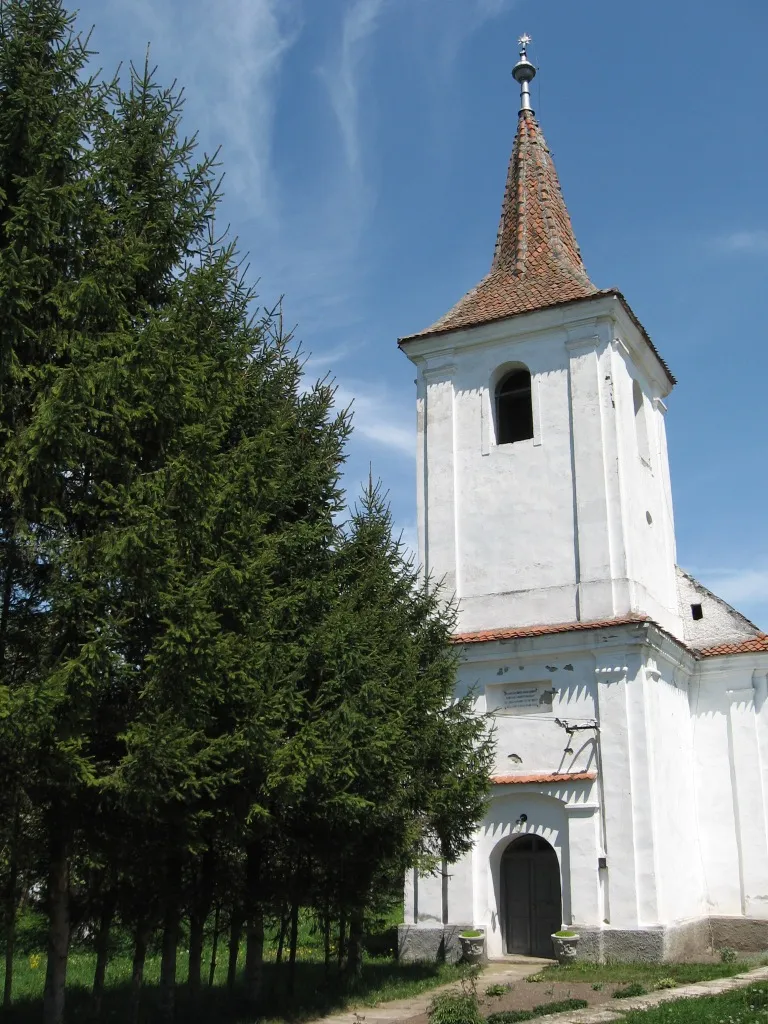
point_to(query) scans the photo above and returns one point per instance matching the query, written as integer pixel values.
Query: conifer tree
(192, 650)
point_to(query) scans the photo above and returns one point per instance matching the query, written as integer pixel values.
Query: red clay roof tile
(752, 645)
(536, 262)
(513, 633)
(510, 780)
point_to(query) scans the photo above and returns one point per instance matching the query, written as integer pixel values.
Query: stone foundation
(434, 943)
(742, 933)
(653, 945)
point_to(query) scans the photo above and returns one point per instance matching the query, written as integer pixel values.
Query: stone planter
(472, 948)
(566, 947)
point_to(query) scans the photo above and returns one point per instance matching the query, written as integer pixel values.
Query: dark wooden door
(530, 894)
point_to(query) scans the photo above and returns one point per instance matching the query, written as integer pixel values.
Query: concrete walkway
(501, 972)
(512, 969)
(604, 1013)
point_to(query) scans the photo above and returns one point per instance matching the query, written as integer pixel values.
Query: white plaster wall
(680, 804)
(647, 512)
(678, 856)
(554, 528)
(730, 739)
(532, 741)
(514, 515)
(719, 624)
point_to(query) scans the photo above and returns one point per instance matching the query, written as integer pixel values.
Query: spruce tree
(193, 652)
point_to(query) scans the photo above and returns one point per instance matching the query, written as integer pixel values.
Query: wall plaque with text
(524, 698)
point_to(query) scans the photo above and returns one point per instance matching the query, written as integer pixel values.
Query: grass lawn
(742, 1006)
(315, 991)
(646, 974)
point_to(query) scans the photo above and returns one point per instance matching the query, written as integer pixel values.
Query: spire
(536, 261)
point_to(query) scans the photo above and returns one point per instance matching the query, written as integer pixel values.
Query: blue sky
(365, 144)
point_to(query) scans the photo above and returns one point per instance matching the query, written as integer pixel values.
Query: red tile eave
(512, 780)
(754, 645)
(434, 332)
(519, 632)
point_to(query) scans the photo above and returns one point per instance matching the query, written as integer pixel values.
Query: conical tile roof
(536, 262)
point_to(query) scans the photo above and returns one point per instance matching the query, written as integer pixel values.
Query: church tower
(629, 791)
(543, 479)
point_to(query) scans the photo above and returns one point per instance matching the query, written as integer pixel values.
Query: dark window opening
(697, 612)
(514, 411)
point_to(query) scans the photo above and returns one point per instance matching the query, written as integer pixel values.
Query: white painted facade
(669, 833)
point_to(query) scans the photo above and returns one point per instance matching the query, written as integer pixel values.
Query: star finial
(524, 40)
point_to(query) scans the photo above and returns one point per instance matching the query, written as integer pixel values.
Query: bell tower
(543, 479)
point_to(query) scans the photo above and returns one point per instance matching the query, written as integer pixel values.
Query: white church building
(630, 791)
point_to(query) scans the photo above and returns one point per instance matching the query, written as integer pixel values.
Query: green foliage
(200, 647)
(646, 973)
(497, 990)
(542, 1010)
(381, 980)
(559, 1006)
(566, 934)
(454, 1008)
(509, 1016)
(739, 1006)
(635, 988)
(728, 955)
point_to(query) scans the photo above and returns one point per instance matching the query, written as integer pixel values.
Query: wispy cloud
(379, 418)
(342, 75)
(230, 64)
(251, 39)
(750, 241)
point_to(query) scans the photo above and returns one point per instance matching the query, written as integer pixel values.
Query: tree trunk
(342, 938)
(201, 909)
(355, 945)
(167, 995)
(58, 928)
(292, 949)
(235, 931)
(196, 939)
(327, 941)
(10, 908)
(141, 941)
(285, 920)
(254, 957)
(102, 950)
(215, 946)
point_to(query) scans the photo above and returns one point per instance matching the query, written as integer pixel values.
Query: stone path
(515, 969)
(504, 972)
(603, 1014)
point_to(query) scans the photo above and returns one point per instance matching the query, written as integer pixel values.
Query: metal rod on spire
(524, 72)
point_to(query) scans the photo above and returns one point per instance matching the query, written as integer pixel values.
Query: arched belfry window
(514, 411)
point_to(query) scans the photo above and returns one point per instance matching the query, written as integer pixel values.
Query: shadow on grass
(315, 995)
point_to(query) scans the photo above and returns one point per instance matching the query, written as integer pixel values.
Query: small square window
(697, 612)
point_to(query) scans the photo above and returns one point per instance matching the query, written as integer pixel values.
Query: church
(629, 799)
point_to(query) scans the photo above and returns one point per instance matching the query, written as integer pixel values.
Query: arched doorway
(530, 896)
